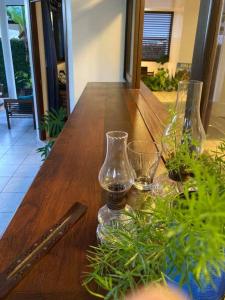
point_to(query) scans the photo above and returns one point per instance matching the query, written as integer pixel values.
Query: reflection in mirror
(168, 47)
(168, 44)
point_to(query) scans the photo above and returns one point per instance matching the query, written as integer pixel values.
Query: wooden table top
(70, 174)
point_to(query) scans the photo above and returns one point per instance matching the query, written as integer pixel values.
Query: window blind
(157, 36)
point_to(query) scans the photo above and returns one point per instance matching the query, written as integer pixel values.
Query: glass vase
(185, 128)
(116, 177)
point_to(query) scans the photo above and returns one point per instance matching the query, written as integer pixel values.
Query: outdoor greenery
(169, 237)
(17, 15)
(23, 80)
(52, 123)
(20, 63)
(2, 69)
(162, 81)
(20, 54)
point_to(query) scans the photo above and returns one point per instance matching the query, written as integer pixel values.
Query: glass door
(19, 49)
(15, 71)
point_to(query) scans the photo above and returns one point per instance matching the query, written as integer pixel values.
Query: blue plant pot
(209, 292)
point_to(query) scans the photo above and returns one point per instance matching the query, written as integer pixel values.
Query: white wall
(98, 37)
(159, 5)
(190, 20)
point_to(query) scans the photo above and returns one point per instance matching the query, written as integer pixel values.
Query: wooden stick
(23, 264)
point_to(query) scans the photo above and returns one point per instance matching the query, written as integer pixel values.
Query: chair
(19, 108)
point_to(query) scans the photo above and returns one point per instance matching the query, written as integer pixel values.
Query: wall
(190, 19)
(183, 31)
(98, 37)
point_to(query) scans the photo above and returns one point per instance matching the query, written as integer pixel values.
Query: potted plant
(177, 241)
(52, 123)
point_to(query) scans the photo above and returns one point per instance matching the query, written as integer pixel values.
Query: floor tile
(13, 159)
(3, 181)
(7, 169)
(18, 185)
(5, 219)
(33, 159)
(3, 150)
(17, 146)
(7, 139)
(9, 202)
(28, 141)
(26, 149)
(27, 170)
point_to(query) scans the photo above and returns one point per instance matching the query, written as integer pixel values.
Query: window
(157, 36)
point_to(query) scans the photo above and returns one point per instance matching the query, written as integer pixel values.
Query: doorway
(15, 75)
(179, 48)
(168, 45)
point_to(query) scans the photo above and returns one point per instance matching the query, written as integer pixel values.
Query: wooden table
(70, 174)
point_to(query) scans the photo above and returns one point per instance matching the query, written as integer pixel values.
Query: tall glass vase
(185, 126)
(116, 177)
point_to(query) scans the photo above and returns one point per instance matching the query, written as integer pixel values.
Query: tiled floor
(19, 164)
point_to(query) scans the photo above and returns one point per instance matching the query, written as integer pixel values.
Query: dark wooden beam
(205, 50)
(137, 46)
(37, 66)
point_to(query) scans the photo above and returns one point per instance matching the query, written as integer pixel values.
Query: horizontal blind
(157, 35)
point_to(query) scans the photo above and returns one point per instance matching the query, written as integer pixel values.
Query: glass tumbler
(144, 157)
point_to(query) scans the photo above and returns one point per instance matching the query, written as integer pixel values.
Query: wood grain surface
(70, 174)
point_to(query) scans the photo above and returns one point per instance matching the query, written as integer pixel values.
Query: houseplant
(52, 123)
(161, 81)
(184, 134)
(172, 240)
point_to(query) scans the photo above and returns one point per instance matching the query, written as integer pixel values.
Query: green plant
(161, 81)
(17, 15)
(178, 159)
(169, 237)
(179, 148)
(163, 59)
(20, 62)
(182, 75)
(52, 123)
(23, 80)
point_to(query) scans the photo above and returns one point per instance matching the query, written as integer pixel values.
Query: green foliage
(179, 148)
(163, 59)
(45, 150)
(177, 162)
(162, 81)
(17, 15)
(20, 62)
(53, 123)
(182, 75)
(23, 80)
(169, 237)
(2, 69)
